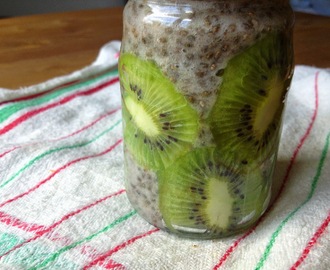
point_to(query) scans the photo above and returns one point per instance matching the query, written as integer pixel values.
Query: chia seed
(192, 48)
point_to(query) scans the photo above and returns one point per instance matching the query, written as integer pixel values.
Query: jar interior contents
(203, 88)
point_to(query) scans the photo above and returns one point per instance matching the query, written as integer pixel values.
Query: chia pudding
(192, 42)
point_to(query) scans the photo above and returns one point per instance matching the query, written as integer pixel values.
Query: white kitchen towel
(63, 203)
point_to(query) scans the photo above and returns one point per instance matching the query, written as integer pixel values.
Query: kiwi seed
(159, 123)
(201, 191)
(245, 120)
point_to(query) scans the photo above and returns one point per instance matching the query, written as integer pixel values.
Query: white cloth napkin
(63, 203)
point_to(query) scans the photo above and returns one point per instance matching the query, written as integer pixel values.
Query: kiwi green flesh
(159, 123)
(201, 192)
(245, 120)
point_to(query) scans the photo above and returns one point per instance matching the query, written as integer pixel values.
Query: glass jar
(203, 86)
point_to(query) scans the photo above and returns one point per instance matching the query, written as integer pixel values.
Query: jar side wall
(191, 44)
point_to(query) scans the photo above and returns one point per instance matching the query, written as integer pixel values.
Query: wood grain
(36, 48)
(312, 40)
(39, 47)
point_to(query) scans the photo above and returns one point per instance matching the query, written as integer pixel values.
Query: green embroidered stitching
(316, 178)
(55, 255)
(8, 241)
(30, 163)
(7, 111)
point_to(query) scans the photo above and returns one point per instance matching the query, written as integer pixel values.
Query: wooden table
(39, 47)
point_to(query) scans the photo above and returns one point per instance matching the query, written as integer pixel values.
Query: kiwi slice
(159, 123)
(245, 120)
(200, 193)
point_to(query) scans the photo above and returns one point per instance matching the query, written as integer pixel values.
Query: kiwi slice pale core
(159, 123)
(200, 193)
(245, 120)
